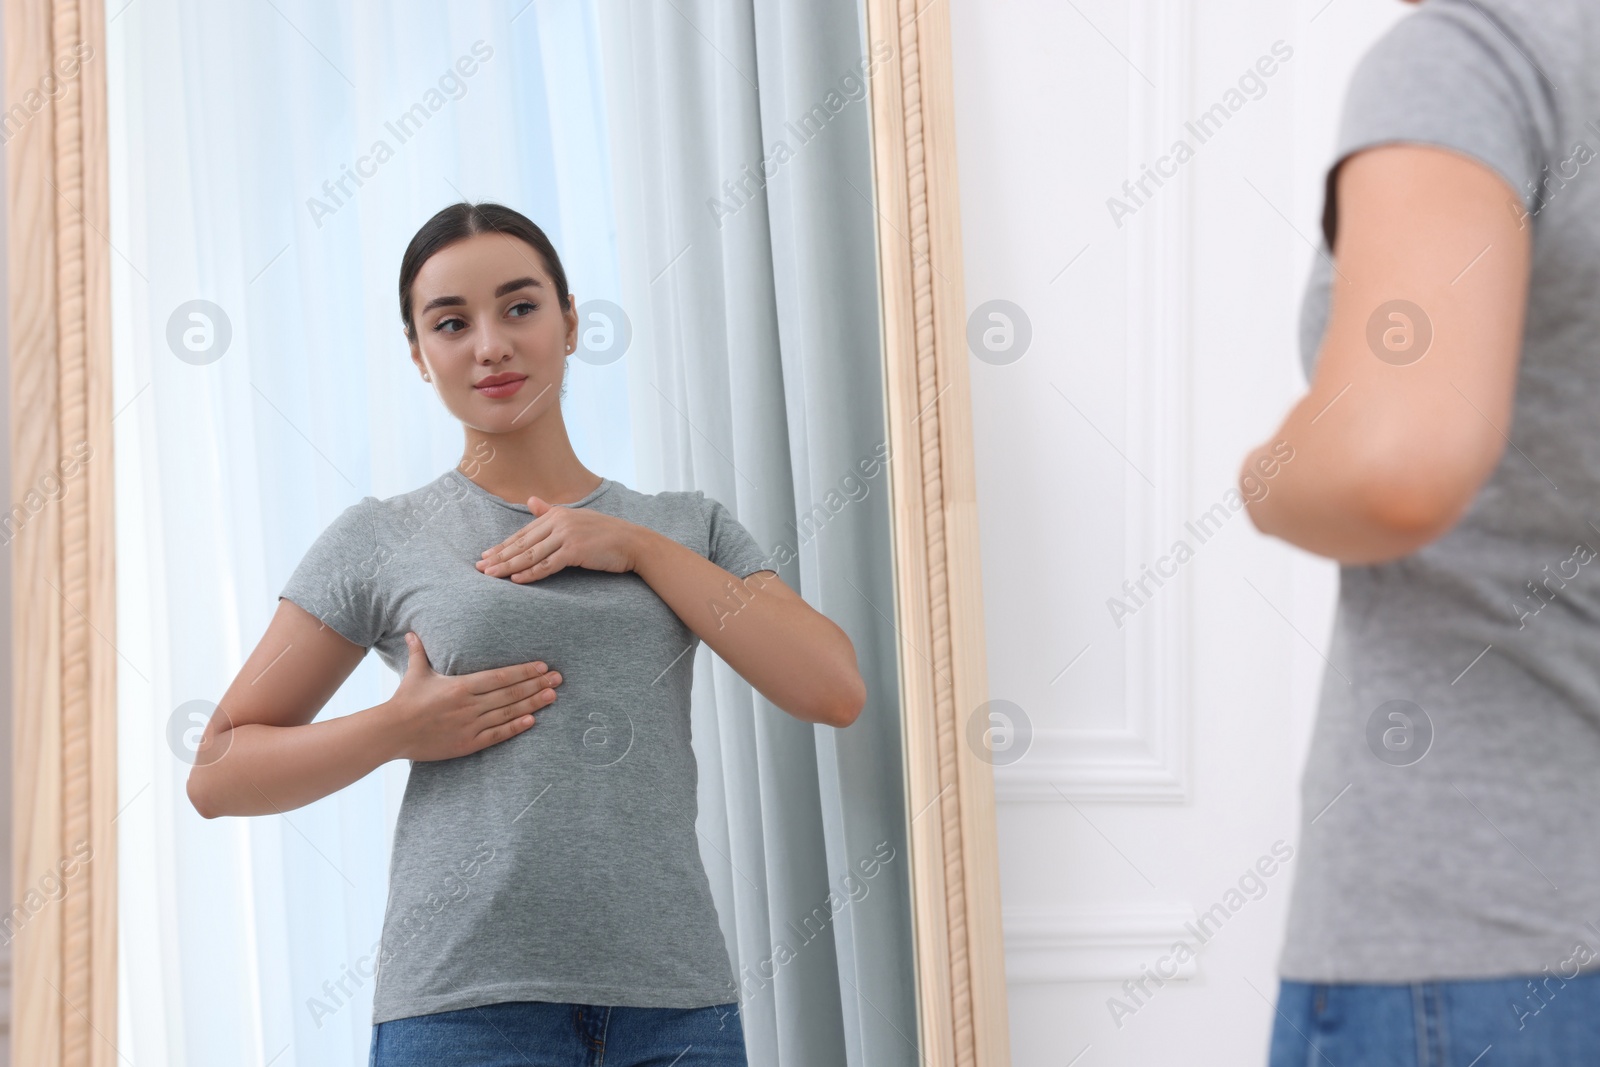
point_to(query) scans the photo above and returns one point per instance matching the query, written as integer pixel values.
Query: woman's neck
(538, 461)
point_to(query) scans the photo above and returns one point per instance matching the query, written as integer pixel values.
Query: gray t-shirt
(1469, 849)
(562, 864)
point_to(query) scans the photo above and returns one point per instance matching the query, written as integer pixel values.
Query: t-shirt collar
(472, 486)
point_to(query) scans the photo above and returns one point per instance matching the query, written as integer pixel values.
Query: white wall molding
(1147, 758)
(1095, 944)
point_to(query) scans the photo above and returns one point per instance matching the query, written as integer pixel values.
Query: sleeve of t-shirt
(1460, 75)
(731, 546)
(337, 579)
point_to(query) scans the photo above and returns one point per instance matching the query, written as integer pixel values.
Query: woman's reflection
(546, 889)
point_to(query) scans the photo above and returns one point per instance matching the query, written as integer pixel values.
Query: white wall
(1165, 753)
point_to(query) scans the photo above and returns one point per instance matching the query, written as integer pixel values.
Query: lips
(500, 385)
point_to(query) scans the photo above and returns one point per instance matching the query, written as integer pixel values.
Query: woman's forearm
(791, 653)
(256, 769)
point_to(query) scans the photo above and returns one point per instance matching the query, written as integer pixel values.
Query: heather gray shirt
(562, 864)
(1479, 859)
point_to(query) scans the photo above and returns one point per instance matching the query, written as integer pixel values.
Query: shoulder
(399, 512)
(1545, 24)
(674, 507)
(353, 526)
(690, 517)
(1503, 82)
(1547, 45)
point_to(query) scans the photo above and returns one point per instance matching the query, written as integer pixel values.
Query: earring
(426, 378)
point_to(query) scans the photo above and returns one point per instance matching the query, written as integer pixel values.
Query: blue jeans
(538, 1034)
(1542, 1020)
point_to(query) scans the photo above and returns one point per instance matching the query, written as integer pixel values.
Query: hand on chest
(589, 625)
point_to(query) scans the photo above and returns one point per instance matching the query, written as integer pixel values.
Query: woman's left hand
(561, 537)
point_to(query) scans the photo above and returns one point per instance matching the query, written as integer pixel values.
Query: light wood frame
(64, 962)
(63, 689)
(961, 982)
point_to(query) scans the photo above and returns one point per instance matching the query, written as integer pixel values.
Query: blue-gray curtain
(742, 165)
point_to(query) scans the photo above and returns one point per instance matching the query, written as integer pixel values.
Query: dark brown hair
(459, 221)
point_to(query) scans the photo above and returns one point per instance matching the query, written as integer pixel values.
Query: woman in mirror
(546, 890)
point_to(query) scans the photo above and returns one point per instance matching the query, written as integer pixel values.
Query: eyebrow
(458, 301)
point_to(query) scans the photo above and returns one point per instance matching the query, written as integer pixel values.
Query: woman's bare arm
(261, 753)
(1388, 454)
(791, 653)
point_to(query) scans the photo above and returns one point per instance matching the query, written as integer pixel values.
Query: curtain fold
(744, 183)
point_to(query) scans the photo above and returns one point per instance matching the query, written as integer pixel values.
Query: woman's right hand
(443, 716)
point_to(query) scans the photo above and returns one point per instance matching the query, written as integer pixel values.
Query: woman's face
(485, 308)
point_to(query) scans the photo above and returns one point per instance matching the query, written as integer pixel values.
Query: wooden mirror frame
(64, 687)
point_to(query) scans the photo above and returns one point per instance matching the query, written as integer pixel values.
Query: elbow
(852, 707)
(202, 783)
(1380, 488)
(836, 695)
(847, 708)
(198, 797)
(1410, 522)
(1409, 505)
(851, 691)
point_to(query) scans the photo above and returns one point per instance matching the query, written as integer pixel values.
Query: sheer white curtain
(236, 129)
(269, 164)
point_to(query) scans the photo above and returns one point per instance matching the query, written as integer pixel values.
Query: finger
(526, 539)
(490, 552)
(481, 682)
(543, 569)
(531, 705)
(499, 733)
(500, 558)
(508, 546)
(511, 565)
(529, 574)
(416, 655)
(540, 562)
(514, 694)
(505, 546)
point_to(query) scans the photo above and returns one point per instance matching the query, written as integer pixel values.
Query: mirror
(712, 184)
(706, 180)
